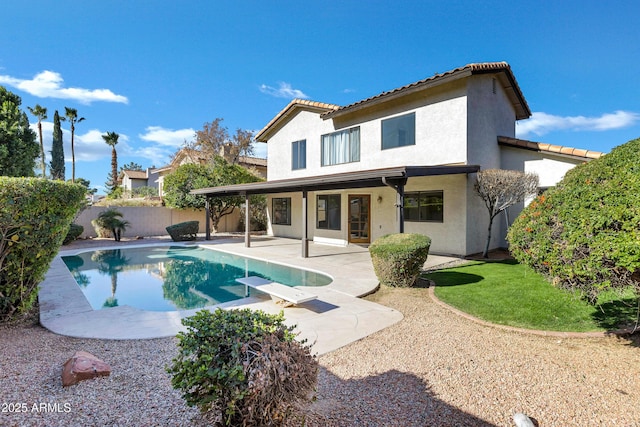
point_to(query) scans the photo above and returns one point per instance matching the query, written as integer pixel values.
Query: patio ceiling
(339, 181)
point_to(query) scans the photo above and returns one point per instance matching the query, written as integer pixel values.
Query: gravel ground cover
(431, 369)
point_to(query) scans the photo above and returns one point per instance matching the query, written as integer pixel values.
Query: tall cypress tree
(57, 150)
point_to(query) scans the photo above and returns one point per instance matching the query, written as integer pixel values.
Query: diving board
(281, 294)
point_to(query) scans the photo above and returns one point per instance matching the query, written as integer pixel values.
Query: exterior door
(359, 218)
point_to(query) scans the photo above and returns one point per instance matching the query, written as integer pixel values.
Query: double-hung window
(281, 211)
(299, 154)
(399, 131)
(424, 206)
(341, 147)
(328, 211)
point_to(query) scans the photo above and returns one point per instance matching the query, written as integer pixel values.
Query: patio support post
(247, 222)
(401, 206)
(398, 185)
(305, 240)
(207, 220)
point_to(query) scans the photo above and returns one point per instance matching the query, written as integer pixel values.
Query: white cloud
(49, 84)
(542, 123)
(283, 91)
(167, 137)
(88, 146)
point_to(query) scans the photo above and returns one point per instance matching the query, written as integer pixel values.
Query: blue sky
(156, 71)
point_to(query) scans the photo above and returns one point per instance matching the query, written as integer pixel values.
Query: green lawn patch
(508, 293)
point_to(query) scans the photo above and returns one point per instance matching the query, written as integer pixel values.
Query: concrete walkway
(338, 317)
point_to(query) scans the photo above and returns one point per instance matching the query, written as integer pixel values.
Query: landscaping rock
(522, 420)
(83, 366)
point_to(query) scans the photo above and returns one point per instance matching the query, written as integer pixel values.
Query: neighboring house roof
(135, 174)
(549, 148)
(253, 161)
(327, 111)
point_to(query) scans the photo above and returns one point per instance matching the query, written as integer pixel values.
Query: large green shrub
(242, 367)
(183, 231)
(75, 230)
(398, 258)
(584, 234)
(34, 219)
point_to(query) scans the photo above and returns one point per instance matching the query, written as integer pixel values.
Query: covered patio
(395, 178)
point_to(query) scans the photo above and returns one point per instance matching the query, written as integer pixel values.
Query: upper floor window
(399, 131)
(341, 147)
(427, 206)
(299, 154)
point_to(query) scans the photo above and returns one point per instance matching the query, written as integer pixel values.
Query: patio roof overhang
(340, 181)
(395, 178)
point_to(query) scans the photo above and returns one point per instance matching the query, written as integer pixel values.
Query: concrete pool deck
(337, 318)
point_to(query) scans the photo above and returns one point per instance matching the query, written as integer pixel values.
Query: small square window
(281, 211)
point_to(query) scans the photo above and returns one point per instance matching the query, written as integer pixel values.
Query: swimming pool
(169, 278)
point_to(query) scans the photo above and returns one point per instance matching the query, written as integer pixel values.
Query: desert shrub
(398, 258)
(242, 367)
(144, 191)
(183, 231)
(110, 223)
(75, 230)
(584, 234)
(34, 219)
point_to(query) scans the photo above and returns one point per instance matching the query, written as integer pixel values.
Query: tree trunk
(485, 254)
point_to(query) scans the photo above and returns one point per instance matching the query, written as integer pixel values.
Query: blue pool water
(168, 278)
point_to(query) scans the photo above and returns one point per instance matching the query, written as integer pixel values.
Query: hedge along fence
(153, 221)
(35, 215)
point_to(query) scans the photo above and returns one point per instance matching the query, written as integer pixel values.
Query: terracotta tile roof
(320, 107)
(541, 146)
(509, 84)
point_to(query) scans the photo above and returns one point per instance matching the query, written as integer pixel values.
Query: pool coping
(338, 317)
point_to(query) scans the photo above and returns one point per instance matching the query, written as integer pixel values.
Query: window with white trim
(341, 147)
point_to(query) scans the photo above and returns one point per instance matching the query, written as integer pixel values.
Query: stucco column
(207, 220)
(305, 240)
(247, 223)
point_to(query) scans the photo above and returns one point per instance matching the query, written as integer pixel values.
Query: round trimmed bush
(242, 367)
(398, 258)
(584, 234)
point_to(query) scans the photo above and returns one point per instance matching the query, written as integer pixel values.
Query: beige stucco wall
(440, 136)
(490, 115)
(152, 221)
(447, 237)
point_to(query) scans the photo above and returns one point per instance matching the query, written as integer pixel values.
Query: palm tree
(72, 115)
(111, 138)
(41, 114)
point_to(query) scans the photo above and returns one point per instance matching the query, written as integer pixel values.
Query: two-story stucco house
(401, 161)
